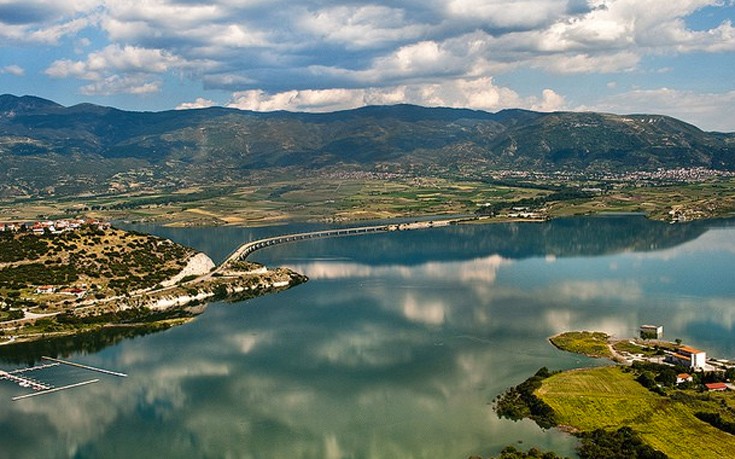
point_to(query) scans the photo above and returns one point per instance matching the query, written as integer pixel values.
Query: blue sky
(674, 57)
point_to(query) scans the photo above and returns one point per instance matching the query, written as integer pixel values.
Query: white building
(688, 357)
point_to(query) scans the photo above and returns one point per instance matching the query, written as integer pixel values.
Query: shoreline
(184, 295)
(180, 291)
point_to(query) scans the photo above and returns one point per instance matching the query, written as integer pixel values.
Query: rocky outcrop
(197, 265)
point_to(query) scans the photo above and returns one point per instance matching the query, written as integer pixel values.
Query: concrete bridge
(247, 248)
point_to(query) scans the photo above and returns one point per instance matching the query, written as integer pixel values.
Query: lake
(395, 348)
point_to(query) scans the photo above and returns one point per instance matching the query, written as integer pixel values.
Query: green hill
(49, 149)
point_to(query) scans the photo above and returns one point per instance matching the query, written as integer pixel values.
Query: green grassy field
(591, 344)
(627, 347)
(609, 398)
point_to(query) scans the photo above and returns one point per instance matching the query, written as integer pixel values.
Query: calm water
(393, 349)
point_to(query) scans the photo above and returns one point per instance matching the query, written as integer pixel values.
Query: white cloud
(480, 93)
(190, 26)
(13, 69)
(550, 101)
(322, 55)
(64, 68)
(506, 14)
(132, 58)
(122, 69)
(227, 80)
(128, 84)
(363, 26)
(200, 102)
(115, 58)
(44, 21)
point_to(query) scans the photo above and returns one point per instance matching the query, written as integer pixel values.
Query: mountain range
(47, 148)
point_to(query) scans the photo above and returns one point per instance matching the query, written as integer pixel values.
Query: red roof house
(718, 386)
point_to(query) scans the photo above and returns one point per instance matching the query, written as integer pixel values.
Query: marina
(19, 377)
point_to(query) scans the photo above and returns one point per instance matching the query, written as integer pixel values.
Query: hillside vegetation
(88, 148)
(98, 263)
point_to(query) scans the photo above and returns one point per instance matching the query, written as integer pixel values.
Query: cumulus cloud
(550, 101)
(13, 69)
(317, 55)
(115, 84)
(200, 102)
(480, 93)
(44, 21)
(522, 14)
(362, 26)
(121, 69)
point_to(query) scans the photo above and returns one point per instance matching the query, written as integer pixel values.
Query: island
(659, 399)
(73, 276)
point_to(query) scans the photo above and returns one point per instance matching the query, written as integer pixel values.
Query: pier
(40, 388)
(54, 389)
(23, 381)
(86, 367)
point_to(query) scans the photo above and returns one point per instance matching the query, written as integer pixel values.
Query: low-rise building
(45, 289)
(716, 387)
(652, 331)
(683, 378)
(688, 357)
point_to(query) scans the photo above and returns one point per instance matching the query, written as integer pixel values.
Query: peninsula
(70, 276)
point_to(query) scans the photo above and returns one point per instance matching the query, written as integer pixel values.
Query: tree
(666, 377)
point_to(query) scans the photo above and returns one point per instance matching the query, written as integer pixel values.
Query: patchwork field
(289, 198)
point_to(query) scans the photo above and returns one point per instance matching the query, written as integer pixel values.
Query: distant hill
(47, 148)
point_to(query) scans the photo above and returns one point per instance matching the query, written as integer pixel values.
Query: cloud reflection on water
(479, 269)
(365, 360)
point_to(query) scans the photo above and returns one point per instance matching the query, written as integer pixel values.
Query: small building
(45, 289)
(716, 387)
(683, 377)
(688, 357)
(652, 331)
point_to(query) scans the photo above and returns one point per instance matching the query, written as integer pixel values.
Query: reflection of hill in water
(91, 342)
(567, 237)
(588, 236)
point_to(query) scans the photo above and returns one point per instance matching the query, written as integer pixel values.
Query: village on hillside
(52, 226)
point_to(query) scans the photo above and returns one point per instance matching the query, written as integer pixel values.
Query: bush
(715, 420)
(623, 443)
(520, 402)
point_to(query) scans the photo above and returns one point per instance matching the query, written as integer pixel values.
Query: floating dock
(18, 377)
(54, 389)
(86, 367)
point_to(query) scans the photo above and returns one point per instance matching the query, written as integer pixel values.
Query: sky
(672, 57)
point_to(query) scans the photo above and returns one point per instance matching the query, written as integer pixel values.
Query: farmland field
(609, 398)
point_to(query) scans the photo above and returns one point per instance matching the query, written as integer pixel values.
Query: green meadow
(609, 398)
(592, 344)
